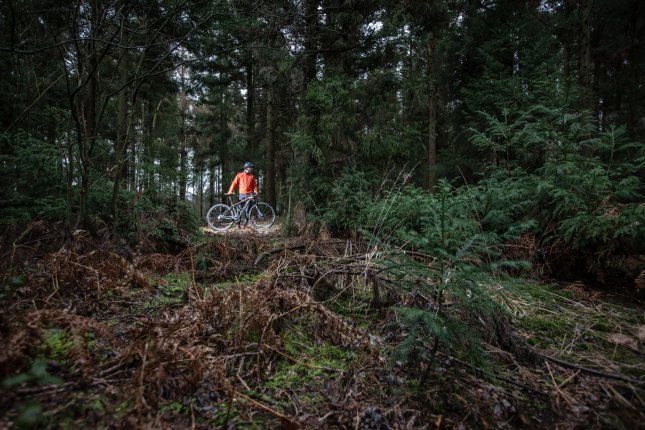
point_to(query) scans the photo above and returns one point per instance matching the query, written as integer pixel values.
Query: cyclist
(246, 184)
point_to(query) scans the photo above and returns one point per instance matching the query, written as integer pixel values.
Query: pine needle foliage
(581, 190)
(454, 313)
(32, 178)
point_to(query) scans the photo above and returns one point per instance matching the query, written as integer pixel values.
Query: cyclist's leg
(245, 208)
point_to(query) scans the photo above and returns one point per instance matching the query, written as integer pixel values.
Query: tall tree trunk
(250, 108)
(269, 174)
(183, 166)
(133, 159)
(310, 42)
(69, 196)
(569, 36)
(146, 136)
(122, 134)
(635, 65)
(226, 178)
(584, 52)
(86, 142)
(431, 51)
(183, 163)
(309, 70)
(211, 182)
(200, 188)
(183, 152)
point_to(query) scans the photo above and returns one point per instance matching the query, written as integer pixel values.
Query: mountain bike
(258, 214)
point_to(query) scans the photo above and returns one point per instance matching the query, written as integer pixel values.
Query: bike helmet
(248, 166)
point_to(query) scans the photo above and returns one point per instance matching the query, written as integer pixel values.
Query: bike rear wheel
(262, 216)
(219, 217)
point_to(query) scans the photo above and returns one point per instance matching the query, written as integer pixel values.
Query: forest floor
(249, 330)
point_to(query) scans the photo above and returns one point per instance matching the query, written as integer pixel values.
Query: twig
(286, 421)
(577, 372)
(591, 371)
(46, 389)
(265, 254)
(622, 400)
(141, 401)
(113, 369)
(239, 378)
(566, 397)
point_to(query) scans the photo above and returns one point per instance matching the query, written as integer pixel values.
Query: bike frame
(237, 209)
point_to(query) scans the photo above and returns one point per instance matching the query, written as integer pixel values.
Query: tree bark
(226, 177)
(183, 151)
(250, 108)
(584, 52)
(431, 50)
(122, 135)
(87, 141)
(269, 174)
(310, 43)
(635, 109)
(146, 137)
(212, 171)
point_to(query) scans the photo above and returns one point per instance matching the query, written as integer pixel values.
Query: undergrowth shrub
(582, 190)
(32, 180)
(158, 222)
(460, 257)
(466, 223)
(342, 203)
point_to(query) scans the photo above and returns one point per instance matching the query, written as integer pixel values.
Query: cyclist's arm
(235, 183)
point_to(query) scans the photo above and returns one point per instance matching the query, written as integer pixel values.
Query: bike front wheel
(219, 217)
(262, 216)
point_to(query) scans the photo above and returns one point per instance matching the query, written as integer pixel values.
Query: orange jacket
(246, 183)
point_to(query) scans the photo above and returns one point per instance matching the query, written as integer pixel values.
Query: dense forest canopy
(136, 115)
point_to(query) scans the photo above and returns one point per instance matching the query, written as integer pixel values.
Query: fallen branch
(593, 372)
(265, 254)
(287, 422)
(489, 374)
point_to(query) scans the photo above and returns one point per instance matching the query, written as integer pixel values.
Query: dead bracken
(254, 330)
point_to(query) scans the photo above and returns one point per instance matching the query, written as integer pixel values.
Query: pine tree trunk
(87, 140)
(183, 152)
(309, 69)
(431, 47)
(69, 196)
(310, 42)
(122, 134)
(200, 188)
(226, 177)
(634, 111)
(269, 174)
(250, 108)
(183, 162)
(211, 183)
(584, 51)
(132, 163)
(146, 137)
